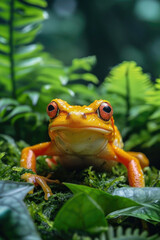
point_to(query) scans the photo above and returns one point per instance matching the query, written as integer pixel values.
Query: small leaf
(83, 63)
(81, 213)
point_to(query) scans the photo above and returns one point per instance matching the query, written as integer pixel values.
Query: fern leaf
(127, 87)
(128, 81)
(153, 97)
(128, 234)
(20, 22)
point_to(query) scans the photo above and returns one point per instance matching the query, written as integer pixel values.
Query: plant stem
(128, 104)
(11, 54)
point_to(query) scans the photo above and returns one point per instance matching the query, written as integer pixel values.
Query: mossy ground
(43, 212)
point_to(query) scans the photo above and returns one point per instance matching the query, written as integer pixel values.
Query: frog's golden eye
(105, 111)
(52, 109)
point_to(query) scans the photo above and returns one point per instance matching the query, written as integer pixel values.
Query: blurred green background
(113, 30)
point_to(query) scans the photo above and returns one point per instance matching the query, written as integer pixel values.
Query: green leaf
(149, 198)
(147, 213)
(141, 195)
(17, 110)
(9, 139)
(81, 213)
(84, 76)
(107, 201)
(15, 222)
(128, 234)
(128, 80)
(40, 3)
(22, 23)
(143, 203)
(83, 63)
(153, 96)
(7, 102)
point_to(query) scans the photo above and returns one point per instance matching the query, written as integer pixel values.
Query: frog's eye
(52, 109)
(105, 111)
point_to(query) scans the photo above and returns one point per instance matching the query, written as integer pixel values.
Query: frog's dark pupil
(107, 109)
(50, 108)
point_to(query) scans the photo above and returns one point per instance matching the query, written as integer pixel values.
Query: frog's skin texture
(83, 136)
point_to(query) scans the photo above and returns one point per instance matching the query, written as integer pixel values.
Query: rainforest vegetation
(90, 204)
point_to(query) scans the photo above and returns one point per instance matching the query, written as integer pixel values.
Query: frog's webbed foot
(40, 180)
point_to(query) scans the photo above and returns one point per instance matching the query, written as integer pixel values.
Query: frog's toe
(38, 180)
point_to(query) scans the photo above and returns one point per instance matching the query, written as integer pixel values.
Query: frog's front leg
(135, 174)
(28, 161)
(144, 162)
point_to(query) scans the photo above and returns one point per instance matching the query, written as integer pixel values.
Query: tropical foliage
(86, 206)
(78, 211)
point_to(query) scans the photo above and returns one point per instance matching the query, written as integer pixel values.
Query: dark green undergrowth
(89, 204)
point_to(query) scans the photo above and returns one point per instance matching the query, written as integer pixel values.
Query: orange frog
(83, 136)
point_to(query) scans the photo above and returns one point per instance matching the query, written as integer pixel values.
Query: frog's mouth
(79, 129)
(81, 140)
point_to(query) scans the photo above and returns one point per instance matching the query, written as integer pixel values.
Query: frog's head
(80, 123)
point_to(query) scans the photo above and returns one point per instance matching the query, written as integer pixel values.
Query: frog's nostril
(84, 115)
(68, 116)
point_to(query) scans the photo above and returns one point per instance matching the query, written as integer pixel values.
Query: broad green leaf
(15, 222)
(149, 198)
(141, 195)
(147, 213)
(81, 213)
(8, 189)
(108, 202)
(143, 203)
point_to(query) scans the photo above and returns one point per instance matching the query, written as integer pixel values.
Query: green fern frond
(127, 86)
(20, 22)
(127, 234)
(153, 97)
(120, 234)
(128, 81)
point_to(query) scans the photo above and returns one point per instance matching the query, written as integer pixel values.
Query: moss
(43, 212)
